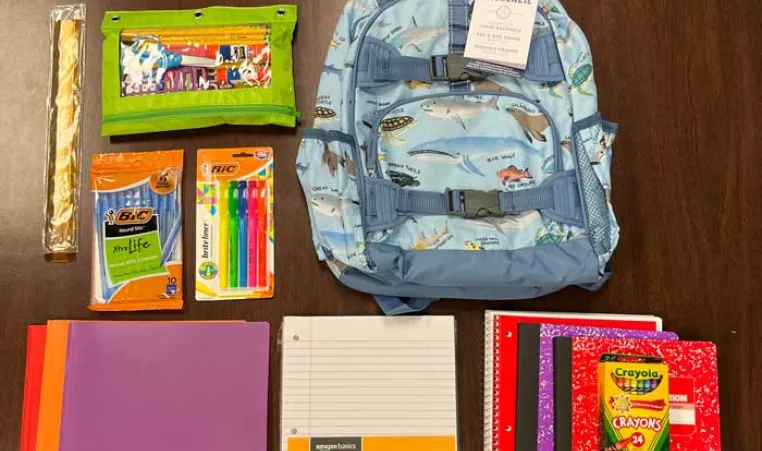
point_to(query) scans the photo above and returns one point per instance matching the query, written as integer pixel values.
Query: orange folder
(51, 398)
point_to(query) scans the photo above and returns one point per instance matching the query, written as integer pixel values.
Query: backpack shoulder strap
(337, 69)
(576, 59)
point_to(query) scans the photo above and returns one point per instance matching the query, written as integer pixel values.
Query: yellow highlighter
(224, 236)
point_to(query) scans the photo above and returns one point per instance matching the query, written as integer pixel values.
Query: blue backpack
(427, 180)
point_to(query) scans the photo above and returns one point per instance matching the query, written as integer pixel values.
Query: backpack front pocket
(483, 142)
(493, 142)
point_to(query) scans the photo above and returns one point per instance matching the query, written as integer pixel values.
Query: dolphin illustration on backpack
(411, 161)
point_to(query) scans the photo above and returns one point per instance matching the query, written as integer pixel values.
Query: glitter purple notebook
(545, 407)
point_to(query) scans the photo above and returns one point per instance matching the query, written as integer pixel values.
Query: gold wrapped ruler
(64, 132)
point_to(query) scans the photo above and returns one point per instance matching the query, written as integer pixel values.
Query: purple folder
(545, 408)
(166, 387)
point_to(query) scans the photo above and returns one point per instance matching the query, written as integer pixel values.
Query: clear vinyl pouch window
(161, 61)
(178, 70)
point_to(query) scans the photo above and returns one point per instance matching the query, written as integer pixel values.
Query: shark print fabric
(511, 137)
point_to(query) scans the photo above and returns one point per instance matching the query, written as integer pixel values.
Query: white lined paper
(368, 376)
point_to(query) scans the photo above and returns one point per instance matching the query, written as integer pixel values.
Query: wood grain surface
(680, 76)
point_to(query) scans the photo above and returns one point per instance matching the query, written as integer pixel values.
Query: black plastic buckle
(475, 204)
(454, 69)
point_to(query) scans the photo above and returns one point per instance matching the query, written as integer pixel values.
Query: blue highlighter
(243, 235)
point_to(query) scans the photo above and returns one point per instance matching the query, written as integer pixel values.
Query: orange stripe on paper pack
(408, 444)
(299, 444)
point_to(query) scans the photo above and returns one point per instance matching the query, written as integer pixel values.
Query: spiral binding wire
(488, 340)
(496, 408)
(491, 389)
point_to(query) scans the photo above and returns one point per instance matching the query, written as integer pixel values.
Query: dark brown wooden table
(681, 76)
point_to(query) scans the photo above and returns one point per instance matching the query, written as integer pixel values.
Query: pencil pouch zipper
(204, 111)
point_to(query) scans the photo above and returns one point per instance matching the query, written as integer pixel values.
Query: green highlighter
(224, 236)
(233, 234)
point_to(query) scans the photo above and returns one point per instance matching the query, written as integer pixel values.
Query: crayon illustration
(638, 387)
(620, 446)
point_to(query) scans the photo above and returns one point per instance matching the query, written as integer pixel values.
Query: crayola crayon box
(634, 403)
(234, 224)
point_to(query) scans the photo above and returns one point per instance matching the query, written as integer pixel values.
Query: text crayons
(253, 199)
(243, 236)
(224, 236)
(263, 229)
(233, 238)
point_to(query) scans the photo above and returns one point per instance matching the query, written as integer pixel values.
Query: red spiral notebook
(35, 357)
(500, 363)
(693, 390)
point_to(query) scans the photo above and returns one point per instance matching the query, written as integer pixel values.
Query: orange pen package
(137, 239)
(234, 224)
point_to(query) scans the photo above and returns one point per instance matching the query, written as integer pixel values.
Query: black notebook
(527, 387)
(562, 392)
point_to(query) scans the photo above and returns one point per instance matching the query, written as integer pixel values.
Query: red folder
(35, 357)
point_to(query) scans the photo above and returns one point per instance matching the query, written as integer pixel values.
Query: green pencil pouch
(176, 70)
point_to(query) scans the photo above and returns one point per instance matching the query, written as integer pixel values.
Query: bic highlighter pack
(234, 224)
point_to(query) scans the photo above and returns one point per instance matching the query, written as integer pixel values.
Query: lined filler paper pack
(369, 384)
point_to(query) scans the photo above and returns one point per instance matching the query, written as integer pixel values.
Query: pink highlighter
(252, 229)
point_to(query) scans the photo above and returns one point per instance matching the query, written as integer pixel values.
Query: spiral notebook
(369, 384)
(501, 353)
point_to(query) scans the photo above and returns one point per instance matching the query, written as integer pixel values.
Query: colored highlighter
(243, 224)
(224, 237)
(262, 232)
(233, 234)
(243, 236)
(253, 266)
